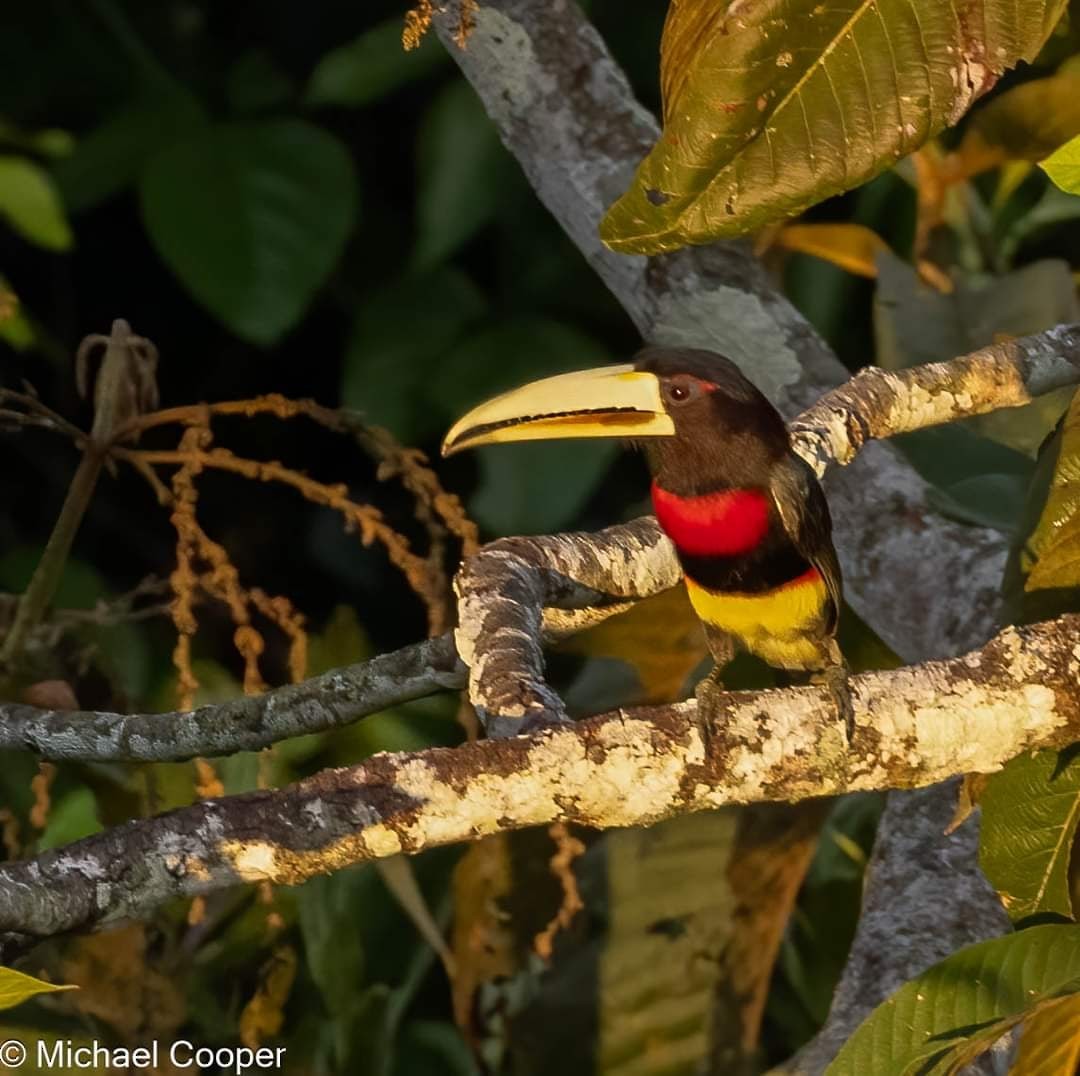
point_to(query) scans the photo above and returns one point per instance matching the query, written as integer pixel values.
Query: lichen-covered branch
(914, 726)
(517, 588)
(878, 403)
(508, 591)
(249, 723)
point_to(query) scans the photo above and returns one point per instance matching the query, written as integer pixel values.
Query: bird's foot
(537, 719)
(837, 679)
(706, 693)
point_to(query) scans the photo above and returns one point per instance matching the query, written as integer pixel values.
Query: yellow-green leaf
(1050, 1042)
(1053, 550)
(773, 106)
(853, 247)
(1063, 166)
(15, 988)
(29, 201)
(949, 1012)
(1030, 812)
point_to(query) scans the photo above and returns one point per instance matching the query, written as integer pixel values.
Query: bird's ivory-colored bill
(612, 401)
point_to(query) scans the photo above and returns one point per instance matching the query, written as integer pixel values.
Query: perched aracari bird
(746, 515)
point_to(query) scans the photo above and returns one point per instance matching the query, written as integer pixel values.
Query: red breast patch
(725, 523)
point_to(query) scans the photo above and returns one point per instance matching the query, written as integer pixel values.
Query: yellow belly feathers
(782, 626)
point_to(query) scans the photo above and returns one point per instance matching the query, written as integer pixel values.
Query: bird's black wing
(805, 515)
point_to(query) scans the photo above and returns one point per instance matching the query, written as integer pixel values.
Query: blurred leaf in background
(252, 218)
(31, 205)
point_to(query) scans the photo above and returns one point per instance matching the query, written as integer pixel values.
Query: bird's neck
(725, 522)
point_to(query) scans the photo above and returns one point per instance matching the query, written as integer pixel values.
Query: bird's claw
(539, 719)
(836, 679)
(706, 692)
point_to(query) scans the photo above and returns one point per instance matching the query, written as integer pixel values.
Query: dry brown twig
(418, 20)
(567, 849)
(438, 511)
(34, 413)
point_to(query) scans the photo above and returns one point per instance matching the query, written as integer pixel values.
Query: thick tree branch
(915, 726)
(244, 724)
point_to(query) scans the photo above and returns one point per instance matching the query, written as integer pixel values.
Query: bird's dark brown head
(702, 424)
(727, 433)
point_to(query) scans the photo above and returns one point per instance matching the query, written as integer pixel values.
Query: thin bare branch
(244, 724)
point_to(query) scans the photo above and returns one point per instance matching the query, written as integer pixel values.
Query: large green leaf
(29, 202)
(252, 217)
(930, 1020)
(1029, 816)
(15, 988)
(773, 106)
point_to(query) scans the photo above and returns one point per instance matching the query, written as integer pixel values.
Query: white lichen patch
(824, 439)
(916, 406)
(632, 782)
(974, 728)
(189, 867)
(624, 781)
